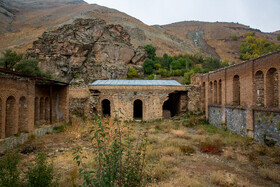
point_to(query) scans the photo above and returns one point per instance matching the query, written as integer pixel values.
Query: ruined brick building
(139, 99)
(244, 98)
(27, 100)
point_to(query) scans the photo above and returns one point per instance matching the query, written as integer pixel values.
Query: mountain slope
(23, 21)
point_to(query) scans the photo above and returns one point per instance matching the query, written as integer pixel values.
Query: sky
(258, 14)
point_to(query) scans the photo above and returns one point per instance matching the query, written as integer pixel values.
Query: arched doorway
(272, 88)
(47, 109)
(236, 90)
(171, 107)
(10, 127)
(106, 107)
(36, 109)
(259, 88)
(42, 108)
(22, 121)
(138, 109)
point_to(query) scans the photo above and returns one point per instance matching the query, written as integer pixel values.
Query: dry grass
(270, 173)
(179, 133)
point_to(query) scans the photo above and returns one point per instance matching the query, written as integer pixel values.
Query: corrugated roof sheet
(137, 82)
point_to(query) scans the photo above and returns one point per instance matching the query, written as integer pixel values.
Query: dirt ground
(180, 152)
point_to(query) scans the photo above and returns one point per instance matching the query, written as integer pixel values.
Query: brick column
(3, 116)
(250, 103)
(207, 99)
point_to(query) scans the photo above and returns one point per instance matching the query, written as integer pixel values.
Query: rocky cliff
(86, 50)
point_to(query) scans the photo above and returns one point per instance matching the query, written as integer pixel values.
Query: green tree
(30, 67)
(10, 59)
(253, 47)
(151, 51)
(148, 67)
(132, 72)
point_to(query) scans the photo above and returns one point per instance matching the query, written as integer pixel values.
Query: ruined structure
(244, 98)
(138, 99)
(27, 100)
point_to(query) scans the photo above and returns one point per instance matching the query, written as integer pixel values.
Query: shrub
(187, 150)
(120, 160)
(132, 72)
(9, 174)
(278, 37)
(234, 37)
(40, 173)
(211, 147)
(151, 51)
(10, 59)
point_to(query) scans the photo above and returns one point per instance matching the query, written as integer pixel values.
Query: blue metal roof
(137, 83)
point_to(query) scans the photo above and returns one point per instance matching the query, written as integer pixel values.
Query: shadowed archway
(138, 109)
(106, 107)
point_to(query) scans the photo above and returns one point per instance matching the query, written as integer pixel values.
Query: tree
(10, 59)
(30, 67)
(148, 66)
(151, 51)
(278, 37)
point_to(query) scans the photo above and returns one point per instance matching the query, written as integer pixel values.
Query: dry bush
(261, 149)
(170, 151)
(229, 153)
(179, 133)
(200, 131)
(169, 161)
(270, 173)
(222, 178)
(182, 180)
(187, 150)
(162, 173)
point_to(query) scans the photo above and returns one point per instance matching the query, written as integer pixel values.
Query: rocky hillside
(86, 50)
(23, 21)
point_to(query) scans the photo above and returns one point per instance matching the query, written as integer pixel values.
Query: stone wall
(236, 120)
(268, 123)
(215, 117)
(194, 98)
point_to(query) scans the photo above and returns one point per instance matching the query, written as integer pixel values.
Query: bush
(278, 37)
(234, 37)
(187, 150)
(132, 72)
(211, 147)
(151, 51)
(120, 160)
(40, 173)
(9, 174)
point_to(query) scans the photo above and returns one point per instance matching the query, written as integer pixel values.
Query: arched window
(42, 108)
(106, 107)
(272, 88)
(10, 127)
(47, 109)
(36, 109)
(203, 96)
(22, 120)
(210, 93)
(138, 109)
(259, 88)
(215, 92)
(236, 90)
(1, 119)
(220, 92)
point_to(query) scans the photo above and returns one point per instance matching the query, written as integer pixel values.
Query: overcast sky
(258, 14)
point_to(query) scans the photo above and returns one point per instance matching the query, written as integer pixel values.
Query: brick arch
(215, 91)
(259, 88)
(10, 126)
(220, 92)
(203, 93)
(236, 90)
(271, 93)
(136, 103)
(36, 109)
(22, 117)
(42, 108)
(111, 105)
(106, 107)
(47, 109)
(210, 93)
(1, 119)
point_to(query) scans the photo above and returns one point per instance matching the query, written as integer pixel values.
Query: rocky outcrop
(86, 50)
